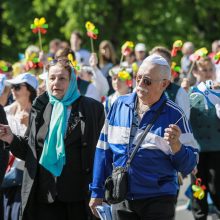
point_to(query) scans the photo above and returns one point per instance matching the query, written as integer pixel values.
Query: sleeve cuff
(96, 192)
(13, 144)
(178, 155)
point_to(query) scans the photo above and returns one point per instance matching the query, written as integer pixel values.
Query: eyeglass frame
(60, 60)
(149, 80)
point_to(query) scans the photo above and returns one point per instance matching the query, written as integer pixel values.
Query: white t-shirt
(17, 128)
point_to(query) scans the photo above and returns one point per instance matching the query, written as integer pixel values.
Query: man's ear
(165, 83)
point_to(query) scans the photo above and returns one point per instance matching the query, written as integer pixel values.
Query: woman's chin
(57, 95)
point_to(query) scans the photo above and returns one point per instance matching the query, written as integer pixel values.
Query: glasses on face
(64, 62)
(17, 87)
(147, 81)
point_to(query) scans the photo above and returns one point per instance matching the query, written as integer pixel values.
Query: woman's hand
(6, 134)
(93, 60)
(24, 118)
(185, 84)
(172, 135)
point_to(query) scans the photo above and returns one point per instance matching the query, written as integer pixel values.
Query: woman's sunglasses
(65, 62)
(17, 87)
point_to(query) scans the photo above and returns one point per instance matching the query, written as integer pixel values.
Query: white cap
(2, 83)
(159, 60)
(156, 59)
(140, 47)
(87, 69)
(24, 78)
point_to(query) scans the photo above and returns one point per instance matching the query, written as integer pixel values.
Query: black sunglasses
(147, 81)
(17, 87)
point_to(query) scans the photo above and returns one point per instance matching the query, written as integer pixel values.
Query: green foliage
(155, 22)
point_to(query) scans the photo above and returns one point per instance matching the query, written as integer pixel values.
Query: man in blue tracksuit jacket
(168, 148)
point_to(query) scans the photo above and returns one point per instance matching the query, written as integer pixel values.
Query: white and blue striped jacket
(153, 171)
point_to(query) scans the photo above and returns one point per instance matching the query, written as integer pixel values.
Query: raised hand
(93, 60)
(6, 134)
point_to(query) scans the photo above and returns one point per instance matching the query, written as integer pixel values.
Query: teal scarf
(53, 157)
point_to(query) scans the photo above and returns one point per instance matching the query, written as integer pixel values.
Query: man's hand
(172, 135)
(6, 134)
(93, 203)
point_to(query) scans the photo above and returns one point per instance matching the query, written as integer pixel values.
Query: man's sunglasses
(17, 87)
(147, 81)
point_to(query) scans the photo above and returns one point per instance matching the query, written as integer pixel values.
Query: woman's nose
(56, 81)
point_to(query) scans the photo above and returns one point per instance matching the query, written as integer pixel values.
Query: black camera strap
(147, 129)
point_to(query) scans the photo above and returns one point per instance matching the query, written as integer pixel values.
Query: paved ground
(181, 212)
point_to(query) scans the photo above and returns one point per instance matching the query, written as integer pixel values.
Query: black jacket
(82, 134)
(3, 153)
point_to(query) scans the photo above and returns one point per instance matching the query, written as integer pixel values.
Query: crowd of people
(69, 117)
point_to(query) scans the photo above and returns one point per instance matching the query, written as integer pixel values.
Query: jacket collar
(130, 100)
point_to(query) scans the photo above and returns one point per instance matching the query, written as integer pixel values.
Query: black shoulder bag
(116, 185)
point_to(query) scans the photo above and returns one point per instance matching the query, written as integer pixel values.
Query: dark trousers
(58, 211)
(12, 202)
(209, 172)
(1, 205)
(159, 208)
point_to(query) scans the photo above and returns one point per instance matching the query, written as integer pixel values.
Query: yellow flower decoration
(134, 67)
(202, 52)
(39, 22)
(3, 66)
(178, 43)
(126, 49)
(124, 75)
(73, 62)
(127, 44)
(199, 194)
(90, 26)
(173, 65)
(49, 59)
(17, 68)
(30, 57)
(217, 55)
(198, 189)
(39, 25)
(217, 58)
(2, 63)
